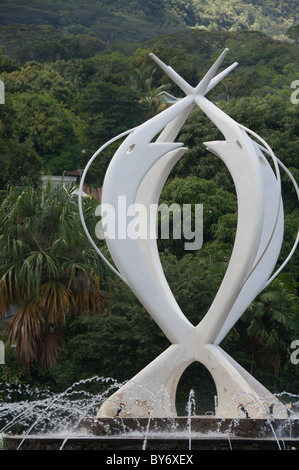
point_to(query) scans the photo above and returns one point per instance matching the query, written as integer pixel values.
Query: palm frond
(24, 330)
(47, 266)
(49, 344)
(57, 300)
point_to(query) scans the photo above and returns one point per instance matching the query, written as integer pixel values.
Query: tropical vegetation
(48, 270)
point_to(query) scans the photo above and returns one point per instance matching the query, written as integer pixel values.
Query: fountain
(141, 414)
(65, 421)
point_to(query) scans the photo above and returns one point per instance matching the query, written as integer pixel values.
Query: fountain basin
(168, 434)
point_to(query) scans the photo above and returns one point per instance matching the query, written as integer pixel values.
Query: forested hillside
(77, 74)
(137, 20)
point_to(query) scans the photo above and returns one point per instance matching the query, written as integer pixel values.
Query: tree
(7, 64)
(48, 270)
(52, 129)
(268, 328)
(218, 205)
(34, 77)
(293, 32)
(18, 156)
(108, 109)
(141, 80)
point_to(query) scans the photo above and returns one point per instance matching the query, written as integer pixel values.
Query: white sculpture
(139, 170)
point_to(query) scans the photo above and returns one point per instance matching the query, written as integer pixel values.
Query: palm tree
(47, 268)
(141, 79)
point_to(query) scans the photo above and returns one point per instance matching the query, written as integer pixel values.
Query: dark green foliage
(46, 127)
(45, 43)
(18, 155)
(47, 270)
(134, 21)
(293, 32)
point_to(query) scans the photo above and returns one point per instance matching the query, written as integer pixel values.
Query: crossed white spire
(206, 84)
